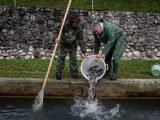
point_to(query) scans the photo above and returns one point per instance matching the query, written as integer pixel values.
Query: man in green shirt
(111, 37)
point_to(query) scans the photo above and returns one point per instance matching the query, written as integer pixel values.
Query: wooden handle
(55, 48)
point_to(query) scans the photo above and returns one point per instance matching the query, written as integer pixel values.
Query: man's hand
(84, 55)
(100, 54)
(57, 41)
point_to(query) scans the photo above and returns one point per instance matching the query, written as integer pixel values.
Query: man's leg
(108, 61)
(73, 63)
(60, 63)
(117, 53)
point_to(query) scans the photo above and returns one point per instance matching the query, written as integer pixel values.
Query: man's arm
(96, 44)
(81, 43)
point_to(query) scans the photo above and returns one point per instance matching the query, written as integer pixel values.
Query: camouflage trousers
(72, 60)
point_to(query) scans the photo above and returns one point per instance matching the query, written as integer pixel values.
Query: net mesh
(38, 103)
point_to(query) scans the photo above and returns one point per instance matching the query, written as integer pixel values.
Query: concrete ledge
(70, 88)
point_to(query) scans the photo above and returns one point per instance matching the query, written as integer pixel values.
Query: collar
(101, 24)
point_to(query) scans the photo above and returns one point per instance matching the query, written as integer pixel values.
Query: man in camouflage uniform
(71, 37)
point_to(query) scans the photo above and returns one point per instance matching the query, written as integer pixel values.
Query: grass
(129, 69)
(135, 69)
(115, 5)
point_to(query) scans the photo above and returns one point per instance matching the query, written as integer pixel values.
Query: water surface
(62, 109)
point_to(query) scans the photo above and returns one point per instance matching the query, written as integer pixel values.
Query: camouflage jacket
(72, 37)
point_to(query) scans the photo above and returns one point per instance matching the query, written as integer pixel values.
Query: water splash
(91, 108)
(94, 110)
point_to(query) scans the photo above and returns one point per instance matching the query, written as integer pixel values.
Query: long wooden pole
(55, 48)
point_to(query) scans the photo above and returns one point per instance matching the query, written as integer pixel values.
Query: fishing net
(38, 103)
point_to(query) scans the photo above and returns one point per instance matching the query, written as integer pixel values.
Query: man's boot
(58, 76)
(114, 76)
(115, 71)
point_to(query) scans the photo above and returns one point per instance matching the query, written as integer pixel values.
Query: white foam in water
(94, 110)
(91, 107)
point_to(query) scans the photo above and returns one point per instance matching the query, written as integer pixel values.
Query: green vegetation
(129, 69)
(116, 5)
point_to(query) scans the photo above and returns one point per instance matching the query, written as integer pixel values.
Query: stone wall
(28, 32)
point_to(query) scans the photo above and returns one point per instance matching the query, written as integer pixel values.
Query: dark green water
(68, 109)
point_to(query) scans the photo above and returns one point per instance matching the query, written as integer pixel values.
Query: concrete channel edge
(29, 87)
